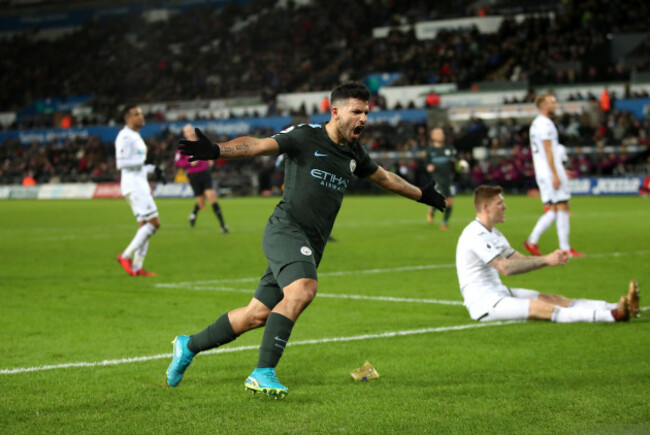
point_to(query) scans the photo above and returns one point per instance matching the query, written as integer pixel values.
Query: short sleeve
(487, 246)
(286, 140)
(365, 166)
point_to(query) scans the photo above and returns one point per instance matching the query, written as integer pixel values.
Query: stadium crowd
(88, 159)
(217, 53)
(203, 52)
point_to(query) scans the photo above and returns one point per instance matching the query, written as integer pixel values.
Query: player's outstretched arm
(239, 148)
(394, 183)
(518, 263)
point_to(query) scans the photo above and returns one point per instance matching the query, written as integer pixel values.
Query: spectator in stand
(201, 181)
(137, 52)
(28, 179)
(605, 105)
(584, 165)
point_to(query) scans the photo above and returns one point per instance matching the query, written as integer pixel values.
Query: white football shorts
(549, 194)
(142, 204)
(515, 307)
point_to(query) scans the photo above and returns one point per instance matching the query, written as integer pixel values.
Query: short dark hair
(350, 90)
(127, 109)
(485, 193)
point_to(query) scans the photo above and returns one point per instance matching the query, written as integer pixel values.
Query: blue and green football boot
(265, 381)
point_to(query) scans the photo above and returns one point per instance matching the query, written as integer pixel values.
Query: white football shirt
(479, 282)
(130, 154)
(541, 129)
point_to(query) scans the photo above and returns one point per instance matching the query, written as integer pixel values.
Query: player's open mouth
(357, 129)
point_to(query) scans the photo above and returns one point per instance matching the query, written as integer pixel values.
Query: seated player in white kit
(483, 252)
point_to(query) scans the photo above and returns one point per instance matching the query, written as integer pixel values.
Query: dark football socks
(447, 214)
(275, 338)
(217, 211)
(215, 335)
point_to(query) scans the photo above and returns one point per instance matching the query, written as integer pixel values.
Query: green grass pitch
(67, 307)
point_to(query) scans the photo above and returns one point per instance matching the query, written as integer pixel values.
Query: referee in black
(201, 181)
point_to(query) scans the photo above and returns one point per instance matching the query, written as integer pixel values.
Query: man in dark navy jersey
(320, 160)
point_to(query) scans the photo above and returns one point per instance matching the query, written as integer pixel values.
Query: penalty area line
(113, 362)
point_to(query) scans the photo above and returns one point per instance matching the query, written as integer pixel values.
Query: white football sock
(563, 229)
(139, 254)
(571, 315)
(594, 305)
(143, 234)
(545, 221)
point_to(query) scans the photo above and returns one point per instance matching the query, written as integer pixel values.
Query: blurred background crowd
(88, 159)
(256, 49)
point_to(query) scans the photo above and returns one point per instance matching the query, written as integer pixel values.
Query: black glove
(159, 175)
(202, 149)
(430, 196)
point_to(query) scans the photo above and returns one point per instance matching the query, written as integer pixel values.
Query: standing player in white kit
(130, 156)
(551, 177)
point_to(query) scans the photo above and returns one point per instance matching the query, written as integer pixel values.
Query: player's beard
(345, 132)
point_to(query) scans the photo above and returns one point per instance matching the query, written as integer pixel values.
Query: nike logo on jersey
(317, 154)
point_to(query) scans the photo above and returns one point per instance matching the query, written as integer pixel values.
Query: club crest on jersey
(353, 165)
(489, 246)
(305, 251)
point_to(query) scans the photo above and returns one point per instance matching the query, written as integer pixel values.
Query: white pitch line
(390, 299)
(332, 295)
(372, 271)
(320, 274)
(616, 254)
(112, 362)
(344, 296)
(393, 269)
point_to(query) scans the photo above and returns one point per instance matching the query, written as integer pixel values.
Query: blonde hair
(541, 98)
(484, 193)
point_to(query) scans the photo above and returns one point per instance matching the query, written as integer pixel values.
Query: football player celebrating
(320, 160)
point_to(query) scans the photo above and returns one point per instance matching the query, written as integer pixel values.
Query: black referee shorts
(200, 182)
